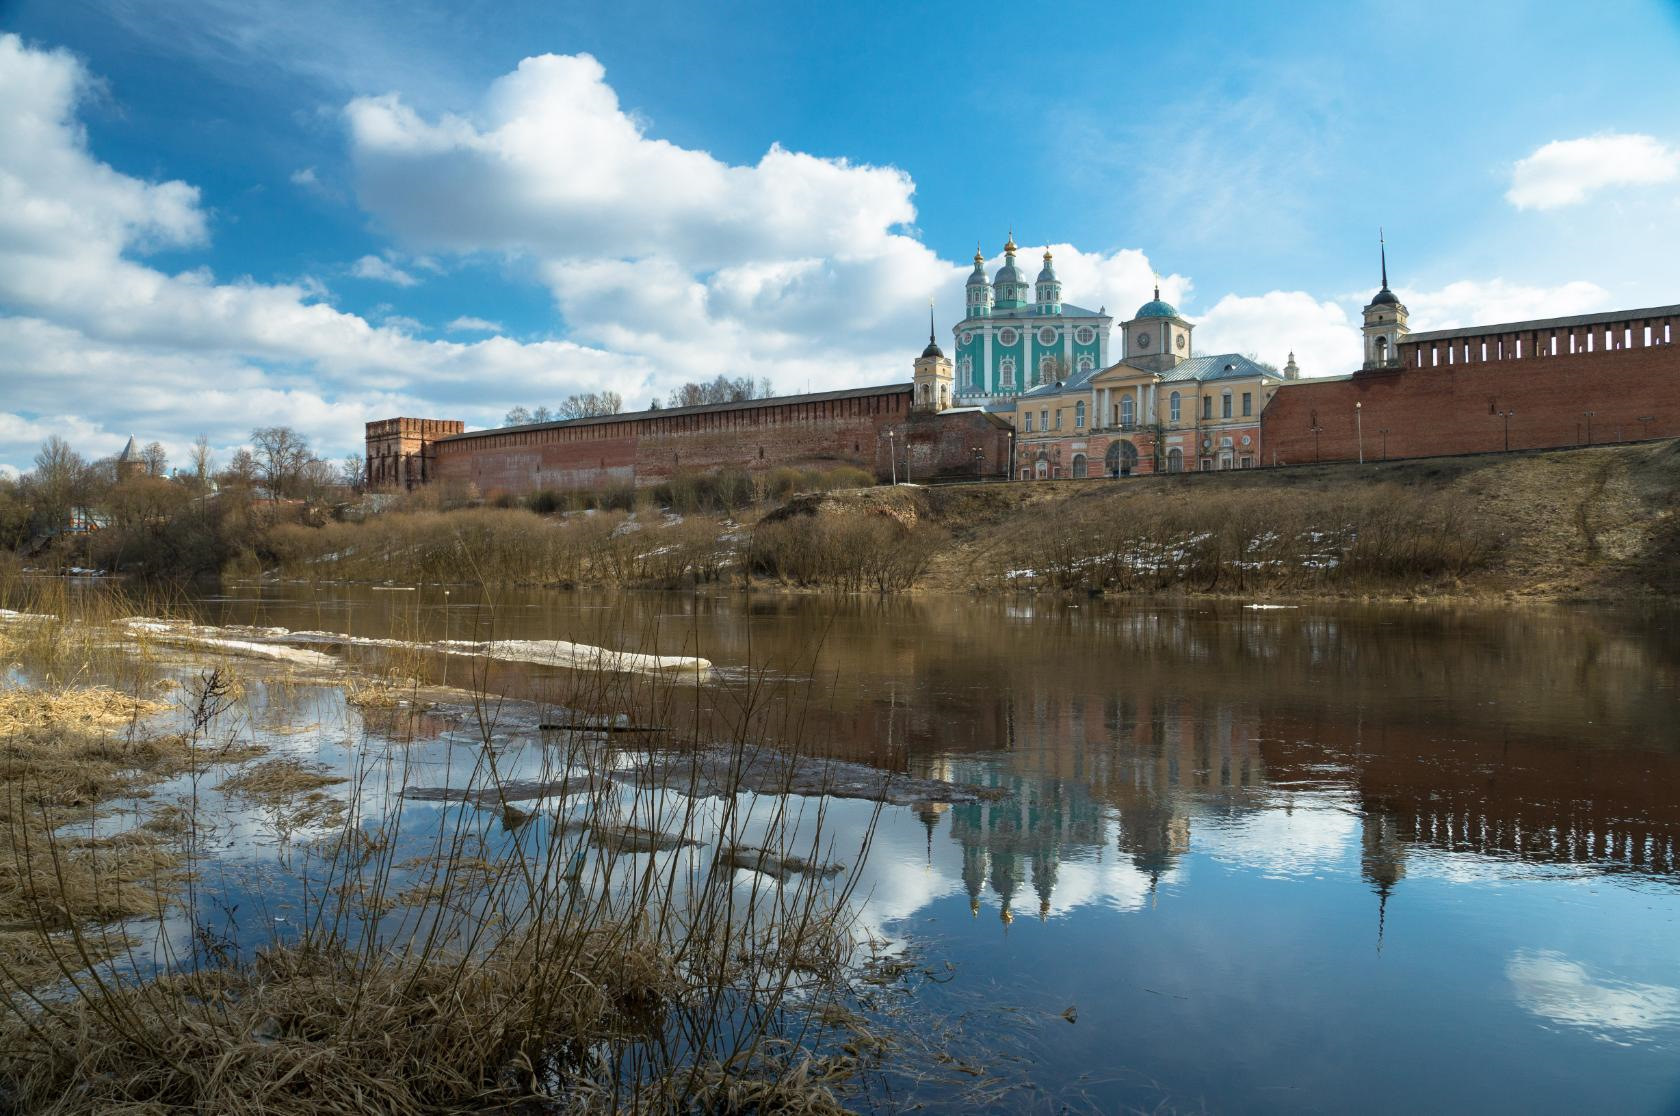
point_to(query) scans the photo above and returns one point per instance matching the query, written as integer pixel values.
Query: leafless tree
(353, 473)
(242, 471)
(721, 390)
(281, 454)
(60, 475)
(157, 461)
(202, 462)
(591, 404)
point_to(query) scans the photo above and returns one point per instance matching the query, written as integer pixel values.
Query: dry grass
(92, 707)
(279, 780)
(836, 548)
(363, 693)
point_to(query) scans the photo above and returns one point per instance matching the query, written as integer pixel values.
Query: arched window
(1173, 402)
(1078, 465)
(1175, 461)
(1079, 421)
(1128, 413)
(1121, 460)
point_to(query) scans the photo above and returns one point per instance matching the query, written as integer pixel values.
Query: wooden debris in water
(774, 864)
(515, 790)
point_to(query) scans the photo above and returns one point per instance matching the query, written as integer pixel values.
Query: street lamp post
(1359, 429)
(1507, 416)
(892, 457)
(1316, 431)
(1589, 416)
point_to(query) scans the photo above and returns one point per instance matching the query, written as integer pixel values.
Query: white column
(1067, 349)
(986, 359)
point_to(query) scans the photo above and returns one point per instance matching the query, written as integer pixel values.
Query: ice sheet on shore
(274, 643)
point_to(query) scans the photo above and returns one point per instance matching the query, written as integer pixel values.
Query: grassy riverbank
(1598, 523)
(1589, 523)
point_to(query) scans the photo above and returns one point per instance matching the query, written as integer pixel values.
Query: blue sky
(224, 214)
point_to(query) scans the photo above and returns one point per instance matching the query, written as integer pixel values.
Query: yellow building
(1160, 409)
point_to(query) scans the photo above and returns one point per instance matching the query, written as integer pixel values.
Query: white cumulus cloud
(381, 271)
(89, 330)
(1470, 302)
(1323, 336)
(466, 323)
(794, 267)
(1565, 172)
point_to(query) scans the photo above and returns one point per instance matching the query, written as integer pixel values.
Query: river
(1327, 858)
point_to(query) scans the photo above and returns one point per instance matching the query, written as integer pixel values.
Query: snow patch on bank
(274, 643)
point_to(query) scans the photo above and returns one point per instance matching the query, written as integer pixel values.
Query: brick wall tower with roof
(931, 381)
(1385, 322)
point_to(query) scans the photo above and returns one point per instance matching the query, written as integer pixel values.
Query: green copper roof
(1156, 308)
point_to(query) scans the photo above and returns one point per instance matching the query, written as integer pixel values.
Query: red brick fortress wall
(1457, 407)
(824, 430)
(399, 450)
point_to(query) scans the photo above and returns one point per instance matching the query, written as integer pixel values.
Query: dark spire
(1384, 297)
(933, 349)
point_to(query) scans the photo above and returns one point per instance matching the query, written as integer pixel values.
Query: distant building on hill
(131, 462)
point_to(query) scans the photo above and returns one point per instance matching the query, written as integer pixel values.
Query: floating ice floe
(582, 656)
(1259, 607)
(181, 634)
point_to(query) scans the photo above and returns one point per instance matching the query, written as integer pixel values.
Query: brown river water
(1318, 859)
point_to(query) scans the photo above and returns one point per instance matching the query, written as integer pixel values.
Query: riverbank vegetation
(1588, 522)
(595, 945)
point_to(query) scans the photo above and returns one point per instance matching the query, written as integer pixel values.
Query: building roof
(706, 408)
(1069, 310)
(1605, 318)
(131, 452)
(1218, 366)
(1157, 307)
(1205, 369)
